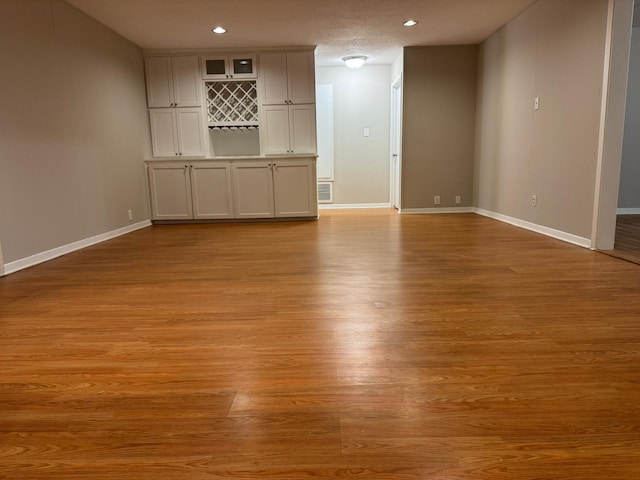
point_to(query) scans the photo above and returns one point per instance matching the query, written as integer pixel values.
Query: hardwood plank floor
(627, 245)
(366, 345)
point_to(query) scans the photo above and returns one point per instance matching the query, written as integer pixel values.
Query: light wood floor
(366, 345)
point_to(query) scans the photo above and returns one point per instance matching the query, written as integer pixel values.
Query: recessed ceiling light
(410, 23)
(219, 30)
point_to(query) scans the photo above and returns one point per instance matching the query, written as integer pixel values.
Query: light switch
(366, 132)
(536, 103)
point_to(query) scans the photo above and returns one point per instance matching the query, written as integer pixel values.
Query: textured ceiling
(338, 27)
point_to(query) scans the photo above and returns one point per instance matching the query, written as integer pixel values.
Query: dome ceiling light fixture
(219, 30)
(354, 61)
(410, 23)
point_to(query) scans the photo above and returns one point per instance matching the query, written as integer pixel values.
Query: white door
(170, 190)
(190, 132)
(253, 189)
(302, 129)
(164, 139)
(295, 189)
(396, 144)
(186, 81)
(211, 190)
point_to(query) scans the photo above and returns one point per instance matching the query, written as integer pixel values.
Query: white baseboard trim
(27, 262)
(628, 211)
(347, 206)
(549, 232)
(431, 211)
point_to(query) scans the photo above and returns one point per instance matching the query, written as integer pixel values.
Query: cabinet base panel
(235, 220)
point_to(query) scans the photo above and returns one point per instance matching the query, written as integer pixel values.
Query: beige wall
(554, 50)
(361, 99)
(630, 177)
(74, 128)
(438, 125)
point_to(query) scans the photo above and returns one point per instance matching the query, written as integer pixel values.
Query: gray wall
(551, 52)
(629, 196)
(439, 92)
(361, 98)
(74, 128)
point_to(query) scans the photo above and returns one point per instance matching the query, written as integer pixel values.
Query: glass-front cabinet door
(229, 67)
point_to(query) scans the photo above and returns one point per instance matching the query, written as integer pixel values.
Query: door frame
(614, 96)
(395, 167)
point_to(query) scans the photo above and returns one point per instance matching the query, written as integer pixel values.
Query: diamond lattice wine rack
(232, 104)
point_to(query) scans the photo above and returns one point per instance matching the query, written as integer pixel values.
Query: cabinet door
(301, 77)
(295, 188)
(302, 129)
(215, 67)
(159, 82)
(275, 128)
(273, 72)
(253, 189)
(186, 82)
(242, 66)
(164, 140)
(190, 132)
(170, 191)
(211, 190)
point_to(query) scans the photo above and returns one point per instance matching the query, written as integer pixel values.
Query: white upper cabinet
(159, 81)
(301, 77)
(177, 132)
(289, 129)
(173, 82)
(228, 67)
(287, 78)
(275, 129)
(302, 129)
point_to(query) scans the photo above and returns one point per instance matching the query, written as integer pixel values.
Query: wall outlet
(458, 199)
(534, 200)
(367, 132)
(130, 215)
(436, 200)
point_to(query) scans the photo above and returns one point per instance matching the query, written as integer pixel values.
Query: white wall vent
(325, 192)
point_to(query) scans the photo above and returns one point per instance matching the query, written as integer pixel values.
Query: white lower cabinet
(277, 188)
(170, 190)
(177, 132)
(211, 190)
(243, 189)
(253, 189)
(295, 188)
(190, 191)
